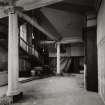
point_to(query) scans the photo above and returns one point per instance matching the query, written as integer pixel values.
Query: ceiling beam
(47, 42)
(64, 41)
(34, 23)
(88, 3)
(73, 7)
(33, 4)
(84, 5)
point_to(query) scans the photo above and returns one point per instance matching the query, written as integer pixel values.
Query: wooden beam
(71, 40)
(34, 23)
(47, 42)
(64, 41)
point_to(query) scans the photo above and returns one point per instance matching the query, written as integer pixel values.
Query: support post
(85, 75)
(13, 54)
(58, 58)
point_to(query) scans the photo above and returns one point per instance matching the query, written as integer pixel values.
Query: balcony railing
(28, 48)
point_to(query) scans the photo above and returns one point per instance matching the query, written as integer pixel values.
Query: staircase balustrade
(27, 47)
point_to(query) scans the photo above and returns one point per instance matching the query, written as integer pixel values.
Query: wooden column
(13, 54)
(58, 58)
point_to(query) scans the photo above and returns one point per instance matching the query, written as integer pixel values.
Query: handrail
(25, 42)
(27, 47)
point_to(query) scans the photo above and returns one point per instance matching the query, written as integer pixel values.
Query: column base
(15, 98)
(58, 74)
(12, 93)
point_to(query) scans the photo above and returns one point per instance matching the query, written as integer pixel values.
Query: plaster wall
(101, 49)
(70, 52)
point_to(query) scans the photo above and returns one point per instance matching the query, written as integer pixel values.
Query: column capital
(12, 9)
(58, 42)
